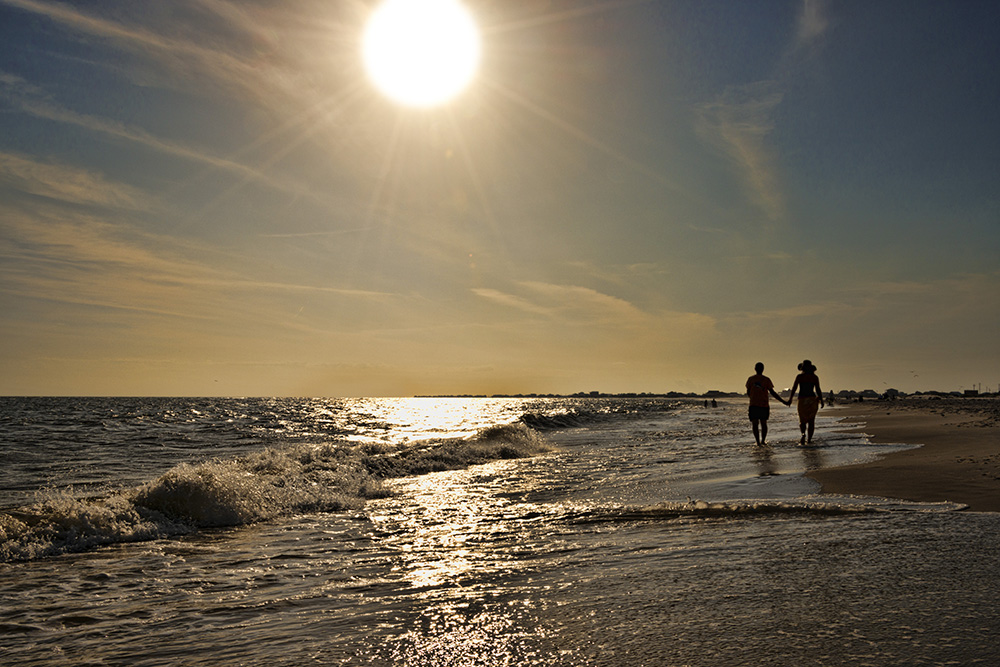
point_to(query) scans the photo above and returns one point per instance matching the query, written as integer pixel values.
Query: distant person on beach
(810, 399)
(759, 389)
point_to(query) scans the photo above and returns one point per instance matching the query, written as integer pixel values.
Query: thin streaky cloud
(224, 66)
(738, 123)
(741, 119)
(68, 184)
(565, 302)
(46, 111)
(83, 253)
(813, 23)
(257, 57)
(511, 301)
(329, 232)
(585, 301)
(134, 135)
(256, 285)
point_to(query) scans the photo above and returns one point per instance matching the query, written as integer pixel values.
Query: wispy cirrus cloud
(511, 301)
(25, 97)
(53, 254)
(812, 25)
(180, 54)
(68, 184)
(740, 121)
(950, 306)
(252, 50)
(565, 302)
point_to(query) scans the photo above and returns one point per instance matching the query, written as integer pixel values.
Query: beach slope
(958, 460)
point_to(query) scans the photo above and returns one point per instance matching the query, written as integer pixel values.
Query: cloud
(68, 184)
(566, 302)
(583, 303)
(252, 50)
(47, 111)
(24, 98)
(181, 54)
(901, 311)
(54, 255)
(738, 123)
(812, 25)
(511, 301)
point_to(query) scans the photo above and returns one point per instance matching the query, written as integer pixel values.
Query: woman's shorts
(808, 407)
(759, 413)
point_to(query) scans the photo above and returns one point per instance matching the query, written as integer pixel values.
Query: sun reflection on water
(441, 548)
(422, 418)
(453, 535)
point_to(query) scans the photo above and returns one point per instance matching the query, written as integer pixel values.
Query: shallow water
(650, 533)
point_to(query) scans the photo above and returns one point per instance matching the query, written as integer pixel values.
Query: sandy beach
(958, 460)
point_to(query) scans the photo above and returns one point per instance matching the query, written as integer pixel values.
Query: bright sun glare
(421, 53)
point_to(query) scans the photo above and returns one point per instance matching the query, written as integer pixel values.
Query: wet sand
(959, 460)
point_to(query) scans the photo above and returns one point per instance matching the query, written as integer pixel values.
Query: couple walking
(759, 387)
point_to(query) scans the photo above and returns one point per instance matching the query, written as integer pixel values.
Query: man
(759, 386)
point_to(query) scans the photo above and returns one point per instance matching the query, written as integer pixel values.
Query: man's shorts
(758, 413)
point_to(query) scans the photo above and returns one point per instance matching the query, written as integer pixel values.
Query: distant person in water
(759, 389)
(810, 399)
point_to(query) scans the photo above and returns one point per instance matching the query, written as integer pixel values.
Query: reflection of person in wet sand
(759, 388)
(810, 399)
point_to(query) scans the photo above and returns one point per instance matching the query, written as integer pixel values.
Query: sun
(421, 53)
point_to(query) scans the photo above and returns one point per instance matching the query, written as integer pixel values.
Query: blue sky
(203, 197)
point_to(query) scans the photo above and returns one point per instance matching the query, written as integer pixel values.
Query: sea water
(433, 532)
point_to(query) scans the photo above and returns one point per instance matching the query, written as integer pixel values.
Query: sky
(210, 197)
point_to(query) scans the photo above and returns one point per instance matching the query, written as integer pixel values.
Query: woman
(810, 399)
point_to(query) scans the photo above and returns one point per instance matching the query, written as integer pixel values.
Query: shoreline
(958, 459)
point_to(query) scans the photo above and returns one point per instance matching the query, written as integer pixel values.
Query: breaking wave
(585, 413)
(278, 481)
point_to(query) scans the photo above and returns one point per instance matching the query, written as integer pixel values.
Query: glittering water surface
(541, 532)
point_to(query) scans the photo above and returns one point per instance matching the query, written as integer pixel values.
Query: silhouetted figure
(759, 389)
(714, 404)
(810, 399)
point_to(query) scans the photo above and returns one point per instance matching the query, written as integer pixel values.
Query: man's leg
(756, 430)
(763, 432)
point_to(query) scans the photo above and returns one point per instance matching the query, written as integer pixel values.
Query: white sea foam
(278, 481)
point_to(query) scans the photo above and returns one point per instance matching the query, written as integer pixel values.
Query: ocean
(468, 531)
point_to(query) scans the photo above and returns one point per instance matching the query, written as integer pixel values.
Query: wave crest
(278, 481)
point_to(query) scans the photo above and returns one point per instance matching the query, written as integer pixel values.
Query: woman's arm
(819, 392)
(794, 387)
